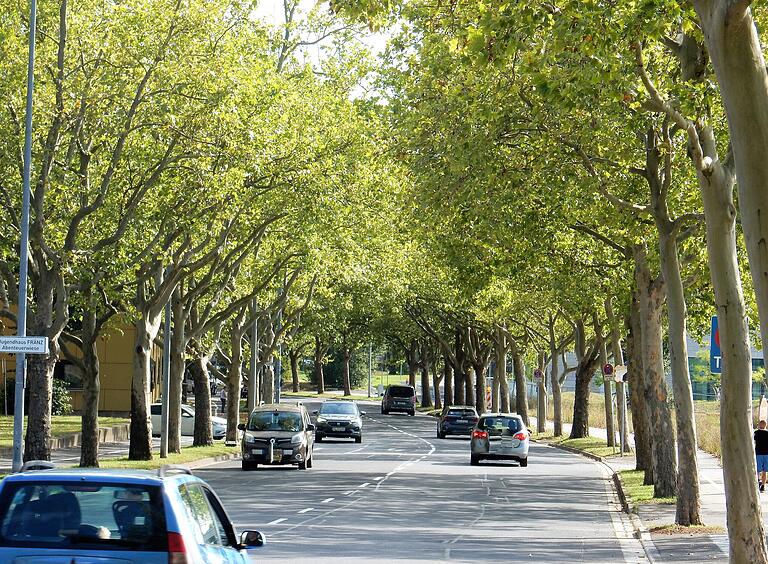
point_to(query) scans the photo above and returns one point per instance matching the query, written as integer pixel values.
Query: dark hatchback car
(339, 419)
(278, 434)
(399, 397)
(456, 420)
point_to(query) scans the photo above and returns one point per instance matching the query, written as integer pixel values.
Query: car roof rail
(37, 465)
(167, 469)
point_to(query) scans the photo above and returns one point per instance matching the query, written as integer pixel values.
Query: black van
(399, 397)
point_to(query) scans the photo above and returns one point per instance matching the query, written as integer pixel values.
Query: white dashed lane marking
(277, 521)
(307, 510)
(328, 499)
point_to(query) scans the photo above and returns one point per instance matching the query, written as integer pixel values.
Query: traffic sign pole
(21, 322)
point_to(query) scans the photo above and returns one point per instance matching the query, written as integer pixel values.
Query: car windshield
(500, 425)
(462, 413)
(275, 421)
(82, 514)
(338, 409)
(400, 392)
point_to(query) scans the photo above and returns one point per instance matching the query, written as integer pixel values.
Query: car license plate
(337, 429)
(461, 421)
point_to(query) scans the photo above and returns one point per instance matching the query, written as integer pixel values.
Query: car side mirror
(310, 427)
(315, 412)
(362, 413)
(252, 539)
(241, 426)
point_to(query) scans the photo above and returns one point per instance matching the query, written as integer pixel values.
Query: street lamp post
(21, 362)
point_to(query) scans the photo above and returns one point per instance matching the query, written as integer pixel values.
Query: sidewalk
(688, 548)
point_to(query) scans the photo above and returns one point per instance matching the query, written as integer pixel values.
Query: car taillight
(479, 435)
(177, 552)
(520, 436)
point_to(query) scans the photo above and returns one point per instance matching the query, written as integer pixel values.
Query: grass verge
(592, 445)
(187, 455)
(60, 425)
(636, 492)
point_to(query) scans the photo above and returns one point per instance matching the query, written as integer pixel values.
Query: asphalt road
(403, 495)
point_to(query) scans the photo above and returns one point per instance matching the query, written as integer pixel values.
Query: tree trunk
(651, 294)
(469, 388)
(480, 404)
(254, 395)
(636, 384)
(744, 516)
(293, 356)
(345, 372)
(521, 393)
(688, 510)
(621, 388)
(268, 383)
(89, 449)
(554, 382)
(203, 435)
(447, 380)
(460, 371)
(413, 362)
(426, 396)
(140, 447)
(235, 377)
(178, 365)
(500, 373)
(318, 367)
(584, 372)
(436, 385)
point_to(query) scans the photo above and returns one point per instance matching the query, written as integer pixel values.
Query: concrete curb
(211, 460)
(116, 434)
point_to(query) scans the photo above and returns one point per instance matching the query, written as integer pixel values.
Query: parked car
(278, 434)
(399, 397)
(218, 424)
(456, 420)
(339, 419)
(500, 436)
(117, 516)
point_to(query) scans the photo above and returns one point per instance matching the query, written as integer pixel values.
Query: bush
(62, 401)
(61, 404)
(333, 371)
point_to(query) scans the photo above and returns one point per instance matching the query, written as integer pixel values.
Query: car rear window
(462, 413)
(275, 421)
(84, 515)
(500, 425)
(400, 391)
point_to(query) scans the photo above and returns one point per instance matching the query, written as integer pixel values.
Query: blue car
(83, 516)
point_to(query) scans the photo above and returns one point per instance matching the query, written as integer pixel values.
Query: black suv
(278, 434)
(399, 397)
(339, 419)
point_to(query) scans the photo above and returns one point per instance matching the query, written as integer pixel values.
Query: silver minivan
(500, 436)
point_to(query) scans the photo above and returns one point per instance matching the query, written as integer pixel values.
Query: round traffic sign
(608, 369)
(538, 374)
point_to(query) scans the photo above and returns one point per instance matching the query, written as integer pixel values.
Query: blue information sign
(715, 356)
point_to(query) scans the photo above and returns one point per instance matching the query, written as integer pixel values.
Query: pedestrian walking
(223, 398)
(761, 452)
